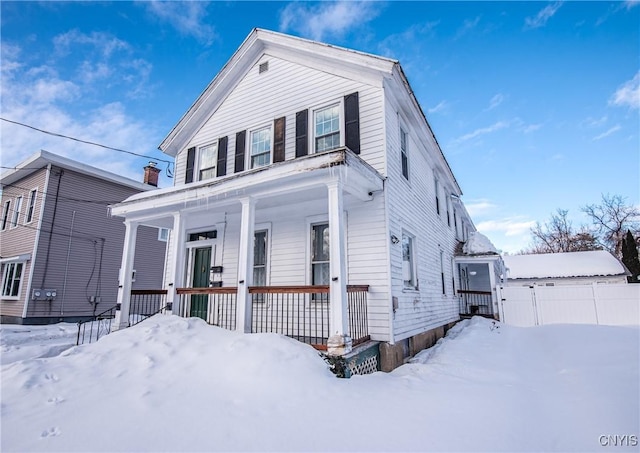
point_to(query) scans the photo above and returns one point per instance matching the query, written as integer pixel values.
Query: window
(437, 196)
(448, 200)
(208, 157)
(11, 280)
(260, 258)
(403, 153)
(327, 128)
(32, 206)
(260, 147)
(444, 289)
(320, 254)
(163, 234)
(203, 235)
(408, 262)
(16, 212)
(5, 213)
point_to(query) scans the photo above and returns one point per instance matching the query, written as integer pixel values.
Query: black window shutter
(302, 143)
(191, 158)
(240, 143)
(278, 139)
(222, 157)
(352, 122)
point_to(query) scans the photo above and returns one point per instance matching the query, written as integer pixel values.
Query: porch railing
(475, 302)
(217, 306)
(145, 303)
(96, 326)
(302, 312)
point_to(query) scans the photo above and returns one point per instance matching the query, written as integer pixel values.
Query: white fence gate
(609, 304)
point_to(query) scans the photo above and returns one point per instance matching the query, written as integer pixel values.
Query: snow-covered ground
(173, 384)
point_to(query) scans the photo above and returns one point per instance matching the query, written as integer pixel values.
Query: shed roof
(558, 265)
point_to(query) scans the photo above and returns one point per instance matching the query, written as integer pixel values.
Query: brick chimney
(151, 174)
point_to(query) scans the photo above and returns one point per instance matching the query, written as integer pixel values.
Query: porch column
(339, 342)
(245, 265)
(177, 267)
(121, 320)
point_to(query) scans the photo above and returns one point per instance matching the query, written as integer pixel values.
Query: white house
(570, 268)
(312, 199)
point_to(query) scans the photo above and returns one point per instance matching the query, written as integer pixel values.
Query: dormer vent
(264, 67)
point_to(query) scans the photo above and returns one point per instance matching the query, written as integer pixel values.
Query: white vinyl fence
(608, 304)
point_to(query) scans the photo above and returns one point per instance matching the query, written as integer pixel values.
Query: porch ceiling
(296, 180)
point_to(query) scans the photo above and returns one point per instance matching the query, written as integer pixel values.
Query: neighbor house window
(16, 212)
(208, 159)
(260, 147)
(408, 262)
(404, 143)
(260, 258)
(5, 213)
(163, 234)
(327, 128)
(11, 279)
(320, 254)
(32, 206)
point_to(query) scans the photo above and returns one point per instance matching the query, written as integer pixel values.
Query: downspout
(66, 268)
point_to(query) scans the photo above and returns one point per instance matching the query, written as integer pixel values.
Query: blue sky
(535, 104)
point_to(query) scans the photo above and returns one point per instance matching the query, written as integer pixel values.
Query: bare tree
(612, 218)
(558, 235)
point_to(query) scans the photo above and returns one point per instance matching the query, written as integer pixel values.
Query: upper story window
(437, 188)
(5, 213)
(32, 205)
(260, 144)
(404, 143)
(16, 212)
(208, 159)
(12, 279)
(327, 128)
(163, 234)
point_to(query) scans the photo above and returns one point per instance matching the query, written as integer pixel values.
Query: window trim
(31, 206)
(339, 103)
(214, 168)
(413, 262)
(249, 142)
(319, 219)
(5, 274)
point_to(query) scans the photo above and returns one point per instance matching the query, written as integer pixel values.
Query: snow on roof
(478, 244)
(569, 264)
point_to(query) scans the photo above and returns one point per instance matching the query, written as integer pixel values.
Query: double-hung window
(404, 143)
(260, 258)
(327, 128)
(260, 154)
(5, 213)
(11, 279)
(320, 254)
(408, 262)
(437, 189)
(32, 206)
(208, 158)
(16, 212)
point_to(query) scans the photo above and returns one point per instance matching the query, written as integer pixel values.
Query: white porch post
(245, 265)
(339, 342)
(126, 268)
(179, 250)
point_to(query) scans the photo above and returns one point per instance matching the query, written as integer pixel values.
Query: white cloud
(327, 18)
(531, 128)
(442, 105)
(188, 17)
(467, 25)
(479, 207)
(481, 131)
(540, 19)
(513, 226)
(615, 128)
(104, 43)
(628, 94)
(495, 101)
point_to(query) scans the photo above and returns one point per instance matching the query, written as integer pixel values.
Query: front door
(201, 279)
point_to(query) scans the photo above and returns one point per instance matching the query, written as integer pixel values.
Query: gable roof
(339, 60)
(595, 263)
(43, 158)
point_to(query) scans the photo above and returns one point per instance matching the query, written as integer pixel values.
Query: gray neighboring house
(60, 250)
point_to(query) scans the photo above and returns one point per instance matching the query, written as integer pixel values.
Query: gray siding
(80, 247)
